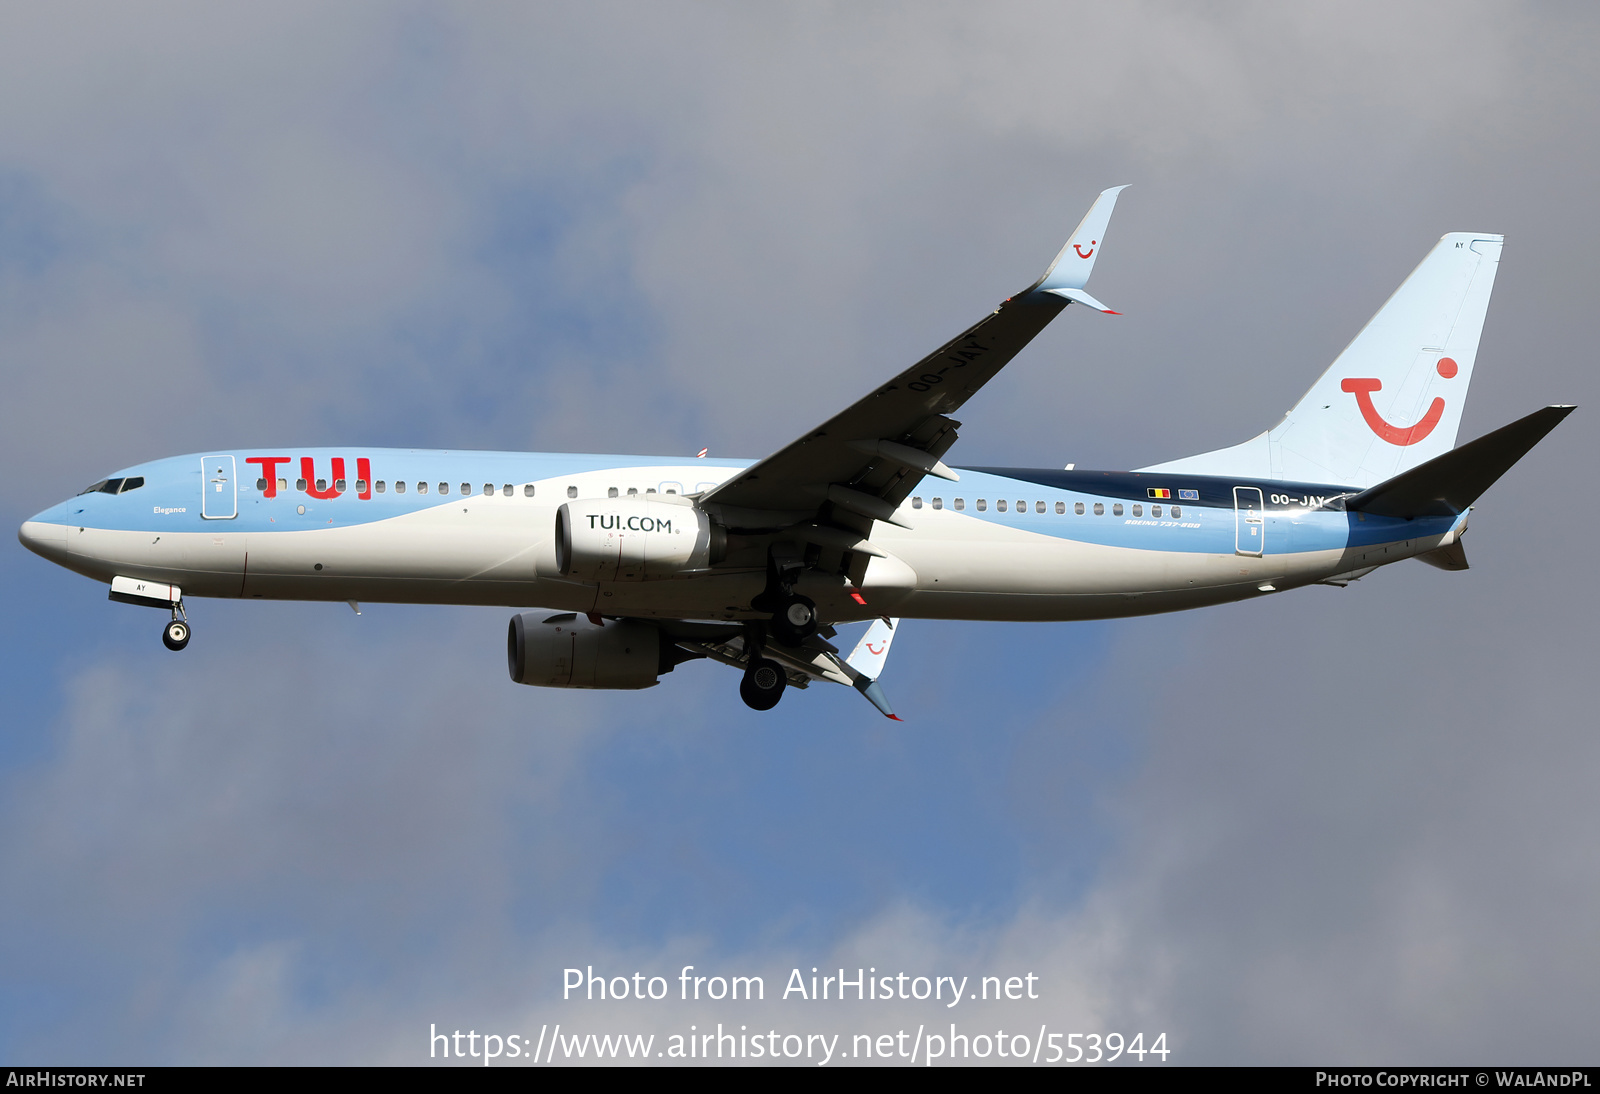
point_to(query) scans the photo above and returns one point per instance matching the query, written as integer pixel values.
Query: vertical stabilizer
(1393, 398)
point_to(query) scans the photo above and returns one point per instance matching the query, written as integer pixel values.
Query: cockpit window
(104, 486)
(131, 484)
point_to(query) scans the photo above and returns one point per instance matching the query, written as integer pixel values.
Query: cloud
(1339, 825)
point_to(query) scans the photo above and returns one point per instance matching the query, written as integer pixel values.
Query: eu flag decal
(1188, 495)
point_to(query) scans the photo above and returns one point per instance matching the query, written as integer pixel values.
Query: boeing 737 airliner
(640, 564)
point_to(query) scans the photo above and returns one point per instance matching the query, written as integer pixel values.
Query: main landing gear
(175, 635)
(795, 620)
(794, 617)
(763, 684)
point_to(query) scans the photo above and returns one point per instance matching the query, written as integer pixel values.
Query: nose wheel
(763, 684)
(175, 635)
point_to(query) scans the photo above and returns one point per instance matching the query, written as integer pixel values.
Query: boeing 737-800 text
(640, 564)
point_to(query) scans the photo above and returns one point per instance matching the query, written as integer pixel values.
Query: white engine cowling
(568, 651)
(632, 539)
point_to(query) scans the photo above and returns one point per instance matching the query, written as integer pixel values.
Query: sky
(1339, 826)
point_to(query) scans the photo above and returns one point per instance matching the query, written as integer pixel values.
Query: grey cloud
(1352, 825)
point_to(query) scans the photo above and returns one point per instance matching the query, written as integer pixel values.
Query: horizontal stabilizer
(1448, 484)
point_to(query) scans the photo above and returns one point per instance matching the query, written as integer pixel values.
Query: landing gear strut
(175, 635)
(794, 617)
(763, 684)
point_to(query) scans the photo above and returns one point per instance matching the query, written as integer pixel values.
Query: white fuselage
(1004, 544)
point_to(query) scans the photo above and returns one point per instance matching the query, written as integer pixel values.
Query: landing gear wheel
(175, 635)
(796, 621)
(763, 684)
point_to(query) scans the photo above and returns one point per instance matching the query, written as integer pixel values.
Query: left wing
(857, 467)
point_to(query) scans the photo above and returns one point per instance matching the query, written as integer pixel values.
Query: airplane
(639, 564)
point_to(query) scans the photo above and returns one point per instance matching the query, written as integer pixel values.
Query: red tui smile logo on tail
(1362, 389)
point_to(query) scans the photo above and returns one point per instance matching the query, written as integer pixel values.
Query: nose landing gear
(175, 635)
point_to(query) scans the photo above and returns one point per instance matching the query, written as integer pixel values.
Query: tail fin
(1393, 398)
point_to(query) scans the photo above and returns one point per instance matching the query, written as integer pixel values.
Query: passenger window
(1038, 507)
(299, 484)
(283, 484)
(361, 486)
(422, 488)
(960, 504)
(1022, 507)
(338, 485)
(322, 486)
(982, 504)
(633, 491)
(1099, 509)
(572, 491)
(444, 488)
(466, 489)
(1116, 510)
(1000, 506)
(916, 503)
(527, 491)
(612, 492)
(649, 490)
(506, 491)
(938, 503)
(488, 489)
(399, 486)
(261, 484)
(1077, 508)
(1155, 510)
(1061, 508)
(1138, 510)
(1177, 513)
(381, 485)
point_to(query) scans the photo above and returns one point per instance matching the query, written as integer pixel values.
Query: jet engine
(567, 651)
(633, 539)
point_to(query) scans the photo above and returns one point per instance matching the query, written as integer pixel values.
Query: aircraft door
(1249, 521)
(219, 498)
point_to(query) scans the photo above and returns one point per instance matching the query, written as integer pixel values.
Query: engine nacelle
(633, 539)
(568, 651)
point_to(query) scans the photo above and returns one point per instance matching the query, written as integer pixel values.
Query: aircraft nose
(44, 539)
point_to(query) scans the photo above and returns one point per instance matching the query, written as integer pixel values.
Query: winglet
(1073, 265)
(1078, 296)
(868, 659)
(875, 696)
